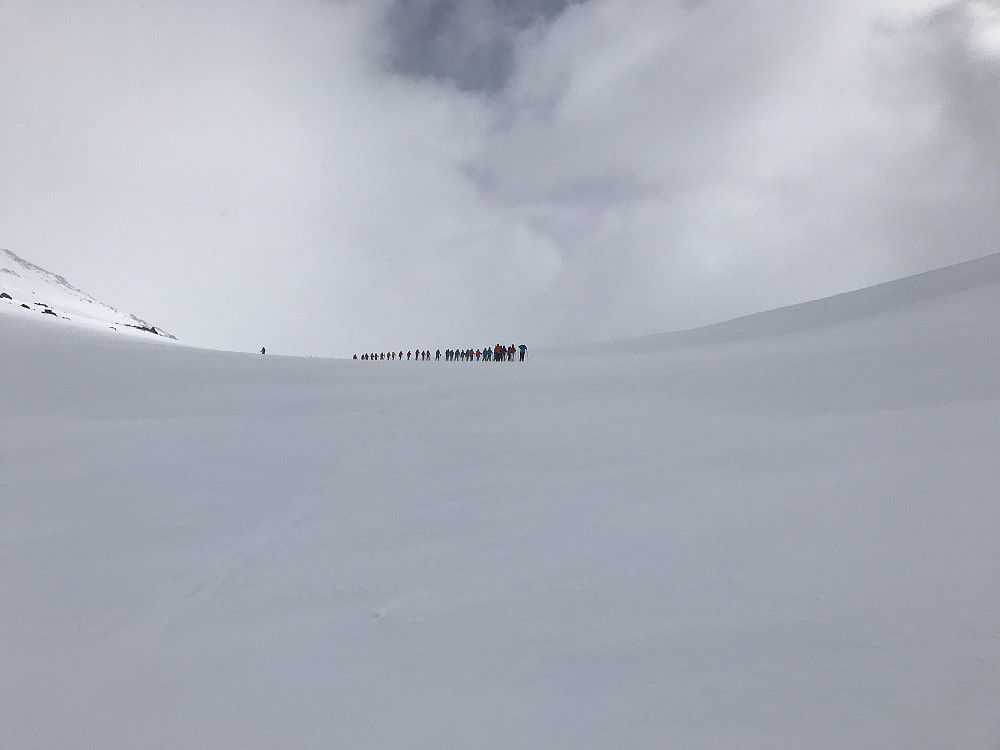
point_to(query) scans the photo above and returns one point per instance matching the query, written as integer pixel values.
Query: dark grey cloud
(947, 199)
(960, 73)
(469, 43)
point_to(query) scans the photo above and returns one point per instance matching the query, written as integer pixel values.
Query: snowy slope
(883, 299)
(784, 541)
(26, 288)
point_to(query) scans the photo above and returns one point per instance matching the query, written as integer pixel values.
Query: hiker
(523, 349)
(262, 350)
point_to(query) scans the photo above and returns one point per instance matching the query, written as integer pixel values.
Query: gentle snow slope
(782, 542)
(843, 308)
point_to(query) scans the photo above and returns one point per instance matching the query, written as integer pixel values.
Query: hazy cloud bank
(330, 177)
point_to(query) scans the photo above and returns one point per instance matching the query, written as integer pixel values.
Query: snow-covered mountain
(27, 287)
(881, 300)
(787, 538)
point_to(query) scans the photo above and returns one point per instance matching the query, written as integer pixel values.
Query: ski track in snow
(142, 632)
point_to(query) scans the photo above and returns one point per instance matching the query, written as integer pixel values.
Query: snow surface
(31, 290)
(778, 541)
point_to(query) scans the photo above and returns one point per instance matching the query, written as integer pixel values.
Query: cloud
(335, 177)
(465, 43)
(750, 156)
(984, 29)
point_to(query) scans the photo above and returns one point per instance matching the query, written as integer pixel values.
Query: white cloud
(984, 36)
(253, 173)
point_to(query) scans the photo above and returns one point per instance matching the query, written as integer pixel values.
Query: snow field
(782, 541)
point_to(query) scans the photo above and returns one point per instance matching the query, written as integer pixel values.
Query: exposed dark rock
(149, 329)
(47, 311)
(26, 307)
(4, 295)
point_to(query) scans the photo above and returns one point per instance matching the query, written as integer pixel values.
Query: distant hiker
(263, 350)
(408, 355)
(437, 356)
(523, 349)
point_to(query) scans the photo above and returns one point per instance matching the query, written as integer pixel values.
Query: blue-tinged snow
(790, 539)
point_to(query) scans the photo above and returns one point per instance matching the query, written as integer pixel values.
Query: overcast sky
(352, 175)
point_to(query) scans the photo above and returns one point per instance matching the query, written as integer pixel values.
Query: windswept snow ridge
(25, 286)
(881, 300)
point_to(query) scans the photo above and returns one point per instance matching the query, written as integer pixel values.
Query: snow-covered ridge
(839, 309)
(27, 287)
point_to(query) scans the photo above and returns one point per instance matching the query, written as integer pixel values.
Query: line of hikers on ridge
(498, 353)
